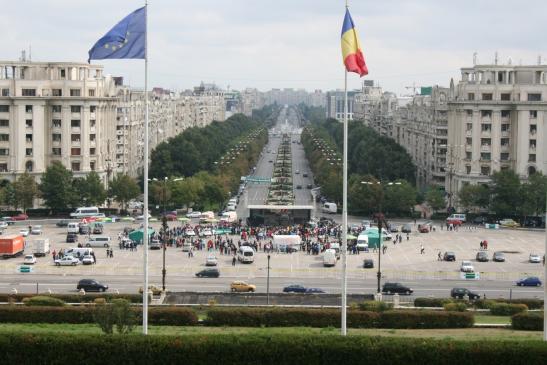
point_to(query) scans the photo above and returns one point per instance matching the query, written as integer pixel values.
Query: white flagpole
(145, 210)
(345, 209)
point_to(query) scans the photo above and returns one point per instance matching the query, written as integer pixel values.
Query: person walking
(439, 257)
(234, 261)
(384, 249)
(422, 249)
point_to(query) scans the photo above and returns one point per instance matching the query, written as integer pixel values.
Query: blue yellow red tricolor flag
(351, 48)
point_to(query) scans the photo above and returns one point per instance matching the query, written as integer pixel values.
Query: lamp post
(268, 283)
(380, 218)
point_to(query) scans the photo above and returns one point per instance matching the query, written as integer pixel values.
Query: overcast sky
(283, 43)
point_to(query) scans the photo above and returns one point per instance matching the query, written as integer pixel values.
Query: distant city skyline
(283, 44)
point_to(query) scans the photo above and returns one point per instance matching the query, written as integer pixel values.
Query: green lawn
(489, 319)
(470, 334)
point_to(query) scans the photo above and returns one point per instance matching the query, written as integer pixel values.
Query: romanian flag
(351, 48)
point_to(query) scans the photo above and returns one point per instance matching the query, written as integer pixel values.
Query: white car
(206, 232)
(141, 217)
(211, 260)
(88, 260)
(67, 261)
(534, 258)
(29, 260)
(36, 230)
(3, 225)
(23, 232)
(193, 215)
(362, 246)
(467, 267)
(189, 232)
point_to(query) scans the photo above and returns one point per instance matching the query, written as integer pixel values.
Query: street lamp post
(268, 283)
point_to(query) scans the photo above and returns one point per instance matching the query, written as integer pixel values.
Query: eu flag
(126, 40)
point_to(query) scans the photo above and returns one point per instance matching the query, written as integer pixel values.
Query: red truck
(11, 246)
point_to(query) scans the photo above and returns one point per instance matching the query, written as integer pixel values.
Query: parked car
(67, 261)
(299, 187)
(208, 273)
(91, 285)
(19, 217)
(171, 217)
(294, 288)
(297, 172)
(71, 237)
(193, 215)
(189, 232)
(467, 266)
(449, 256)
(242, 286)
(62, 223)
(305, 175)
(368, 263)
(393, 228)
(534, 258)
(480, 220)
(29, 260)
(482, 256)
(498, 256)
(211, 260)
(406, 228)
(508, 223)
(423, 228)
(529, 281)
(36, 230)
(7, 220)
(88, 260)
(154, 244)
(460, 293)
(392, 288)
(98, 228)
(24, 232)
(84, 229)
(315, 291)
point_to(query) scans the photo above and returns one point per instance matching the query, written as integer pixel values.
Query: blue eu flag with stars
(126, 40)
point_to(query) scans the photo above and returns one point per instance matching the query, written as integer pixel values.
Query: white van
(98, 241)
(85, 212)
(459, 217)
(329, 208)
(246, 255)
(78, 252)
(335, 246)
(329, 258)
(362, 242)
(73, 227)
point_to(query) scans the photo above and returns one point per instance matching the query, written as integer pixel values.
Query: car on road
(299, 187)
(67, 261)
(36, 230)
(529, 281)
(508, 223)
(29, 260)
(368, 263)
(423, 228)
(294, 288)
(19, 217)
(270, 161)
(315, 291)
(71, 238)
(98, 228)
(88, 260)
(211, 260)
(309, 186)
(297, 172)
(406, 228)
(3, 225)
(154, 244)
(7, 220)
(208, 273)
(189, 232)
(193, 215)
(480, 220)
(242, 287)
(467, 266)
(460, 293)
(393, 228)
(392, 288)
(534, 258)
(498, 256)
(482, 256)
(62, 223)
(84, 229)
(91, 285)
(24, 232)
(449, 256)
(305, 175)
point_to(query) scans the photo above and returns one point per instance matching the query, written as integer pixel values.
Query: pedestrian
(94, 258)
(234, 261)
(407, 237)
(111, 253)
(400, 238)
(422, 249)
(439, 257)
(384, 249)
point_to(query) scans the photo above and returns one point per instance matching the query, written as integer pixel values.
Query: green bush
(506, 309)
(530, 303)
(74, 298)
(375, 306)
(528, 321)
(455, 307)
(431, 302)
(43, 301)
(171, 316)
(117, 314)
(485, 303)
(425, 319)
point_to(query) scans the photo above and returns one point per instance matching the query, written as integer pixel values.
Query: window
(486, 141)
(92, 165)
(506, 114)
(4, 108)
(486, 127)
(63, 74)
(4, 151)
(485, 156)
(506, 97)
(56, 151)
(532, 157)
(55, 108)
(3, 167)
(4, 123)
(505, 127)
(469, 141)
(28, 108)
(57, 92)
(75, 123)
(471, 96)
(5, 92)
(75, 151)
(28, 152)
(467, 169)
(531, 170)
(504, 156)
(469, 126)
(56, 137)
(28, 92)
(75, 92)
(4, 137)
(28, 166)
(504, 142)
(28, 122)
(75, 108)
(486, 96)
(75, 166)
(92, 137)
(485, 170)
(28, 137)
(533, 114)
(469, 112)
(56, 123)
(92, 108)
(75, 138)
(534, 97)
(92, 151)
(486, 113)
(468, 155)
(91, 92)
(92, 123)
(532, 143)
(533, 129)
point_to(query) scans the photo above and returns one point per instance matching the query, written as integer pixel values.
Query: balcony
(468, 148)
(486, 148)
(75, 143)
(468, 133)
(487, 132)
(504, 148)
(75, 129)
(505, 133)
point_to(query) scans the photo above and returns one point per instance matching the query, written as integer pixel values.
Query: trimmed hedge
(530, 303)
(264, 349)
(43, 301)
(432, 302)
(289, 317)
(375, 306)
(506, 309)
(528, 321)
(455, 307)
(172, 316)
(74, 298)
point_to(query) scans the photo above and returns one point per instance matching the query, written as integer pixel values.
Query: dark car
(299, 186)
(498, 257)
(482, 256)
(392, 288)
(407, 228)
(449, 256)
(295, 288)
(71, 238)
(208, 273)
(91, 285)
(84, 229)
(305, 175)
(98, 228)
(529, 281)
(480, 220)
(309, 186)
(315, 291)
(368, 263)
(62, 223)
(460, 293)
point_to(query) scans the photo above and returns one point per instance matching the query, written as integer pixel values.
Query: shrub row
(74, 298)
(506, 309)
(265, 349)
(432, 302)
(375, 306)
(530, 303)
(173, 316)
(288, 317)
(43, 301)
(528, 321)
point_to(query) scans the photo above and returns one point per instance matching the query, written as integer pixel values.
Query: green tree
(56, 187)
(25, 190)
(123, 188)
(474, 196)
(533, 194)
(364, 198)
(8, 195)
(90, 190)
(399, 198)
(505, 192)
(435, 198)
